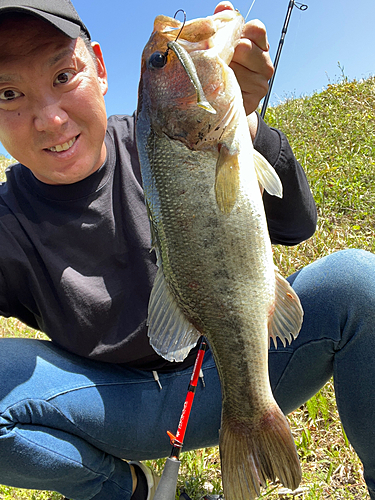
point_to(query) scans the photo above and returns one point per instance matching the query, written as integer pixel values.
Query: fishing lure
(159, 60)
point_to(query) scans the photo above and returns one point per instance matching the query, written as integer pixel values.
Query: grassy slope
(332, 134)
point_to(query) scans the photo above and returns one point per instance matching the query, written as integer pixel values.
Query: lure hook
(179, 33)
(183, 24)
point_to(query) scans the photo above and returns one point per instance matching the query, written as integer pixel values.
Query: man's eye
(64, 77)
(9, 95)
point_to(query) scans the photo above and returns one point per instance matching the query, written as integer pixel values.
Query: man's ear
(101, 69)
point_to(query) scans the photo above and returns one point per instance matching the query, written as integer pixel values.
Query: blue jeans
(66, 422)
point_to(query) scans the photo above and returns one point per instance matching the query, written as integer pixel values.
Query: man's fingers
(223, 6)
(256, 32)
(251, 61)
(253, 86)
(249, 55)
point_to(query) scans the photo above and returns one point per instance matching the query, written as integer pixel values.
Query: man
(75, 262)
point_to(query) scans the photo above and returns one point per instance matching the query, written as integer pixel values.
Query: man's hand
(251, 62)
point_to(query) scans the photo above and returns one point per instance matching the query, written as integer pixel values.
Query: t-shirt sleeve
(292, 218)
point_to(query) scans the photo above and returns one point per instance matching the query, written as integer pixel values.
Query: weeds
(332, 135)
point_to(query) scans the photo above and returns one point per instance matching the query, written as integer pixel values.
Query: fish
(216, 277)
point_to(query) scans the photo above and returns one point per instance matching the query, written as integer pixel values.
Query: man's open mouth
(63, 147)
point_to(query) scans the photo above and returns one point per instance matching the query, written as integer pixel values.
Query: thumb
(225, 5)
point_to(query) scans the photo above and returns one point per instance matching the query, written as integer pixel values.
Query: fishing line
(251, 6)
(302, 7)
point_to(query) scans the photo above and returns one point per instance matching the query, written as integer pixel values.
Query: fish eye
(157, 60)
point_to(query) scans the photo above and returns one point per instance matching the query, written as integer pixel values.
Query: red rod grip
(180, 434)
(178, 439)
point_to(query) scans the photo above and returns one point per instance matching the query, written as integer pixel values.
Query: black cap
(59, 13)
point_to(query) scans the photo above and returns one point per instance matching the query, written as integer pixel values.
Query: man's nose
(49, 116)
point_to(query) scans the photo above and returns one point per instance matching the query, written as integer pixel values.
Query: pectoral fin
(227, 180)
(171, 334)
(267, 175)
(285, 320)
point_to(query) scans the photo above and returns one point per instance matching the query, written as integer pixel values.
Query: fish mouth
(223, 30)
(216, 35)
(63, 147)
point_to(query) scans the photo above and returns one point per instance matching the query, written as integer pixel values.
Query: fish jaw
(222, 31)
(219, 33)
(167, 96)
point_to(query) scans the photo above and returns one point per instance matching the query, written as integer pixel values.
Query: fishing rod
(166, 489)
(292, 4)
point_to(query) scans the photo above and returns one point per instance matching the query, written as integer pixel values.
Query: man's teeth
(63, 147)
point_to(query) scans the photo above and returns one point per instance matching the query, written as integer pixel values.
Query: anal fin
(285, 320)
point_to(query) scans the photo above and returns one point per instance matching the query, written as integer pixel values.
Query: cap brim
(70, 29)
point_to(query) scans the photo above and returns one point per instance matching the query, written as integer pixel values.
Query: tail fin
(251, 455)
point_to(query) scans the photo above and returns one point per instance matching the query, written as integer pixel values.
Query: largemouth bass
(216, 275)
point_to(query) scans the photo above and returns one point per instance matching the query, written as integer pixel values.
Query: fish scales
(216, 275)
(184, 206)
(212, 291)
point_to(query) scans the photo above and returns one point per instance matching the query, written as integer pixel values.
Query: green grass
(332, 134)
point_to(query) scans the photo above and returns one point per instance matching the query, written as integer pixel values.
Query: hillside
(332, 135)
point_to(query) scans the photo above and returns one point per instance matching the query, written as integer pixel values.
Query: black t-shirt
(75, 260)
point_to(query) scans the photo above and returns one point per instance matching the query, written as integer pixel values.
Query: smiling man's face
(52, 112)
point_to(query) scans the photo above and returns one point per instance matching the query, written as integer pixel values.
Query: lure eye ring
(157, 60)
